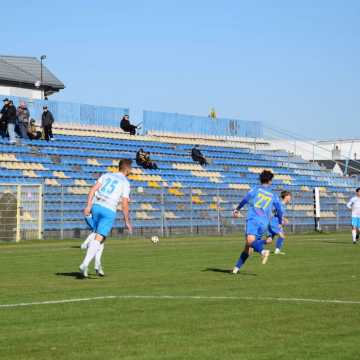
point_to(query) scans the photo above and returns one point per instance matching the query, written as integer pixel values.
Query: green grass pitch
(210, 315)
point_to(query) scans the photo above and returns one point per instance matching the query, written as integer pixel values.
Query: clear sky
(292, 64)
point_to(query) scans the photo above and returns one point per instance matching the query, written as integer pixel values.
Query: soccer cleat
(84, 271)
(278, 252)
(100, 272)
(235, 270)
(265, 256)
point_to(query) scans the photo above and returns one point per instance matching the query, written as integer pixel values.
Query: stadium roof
(25, 71)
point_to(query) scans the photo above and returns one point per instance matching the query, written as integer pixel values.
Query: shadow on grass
(227, 271)
(75, 274)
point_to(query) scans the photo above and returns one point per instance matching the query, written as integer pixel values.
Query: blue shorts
(274, 228)
(256, 228)
(101, 220)
(355, 222)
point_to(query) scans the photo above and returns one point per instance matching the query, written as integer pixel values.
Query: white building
(27, 77)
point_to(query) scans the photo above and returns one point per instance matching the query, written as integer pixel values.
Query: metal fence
(168, 210)
(21, 212)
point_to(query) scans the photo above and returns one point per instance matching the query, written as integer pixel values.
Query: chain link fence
(174, 210)
(21, 212)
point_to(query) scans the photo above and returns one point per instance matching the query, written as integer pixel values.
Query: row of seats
(180, 192)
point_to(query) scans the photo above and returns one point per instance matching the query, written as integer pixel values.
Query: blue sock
(258, 245)
(279, 242)
(243, 257)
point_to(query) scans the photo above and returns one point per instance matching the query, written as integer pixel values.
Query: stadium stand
(181, 196)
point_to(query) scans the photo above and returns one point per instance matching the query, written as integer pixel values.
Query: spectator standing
(9, 117)
(47, 120)
(212, 114)
(198, 156)
(33, 133)
(127, 126)
(3, 122)
(23, 115)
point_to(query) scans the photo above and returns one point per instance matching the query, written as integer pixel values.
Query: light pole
(42, 58)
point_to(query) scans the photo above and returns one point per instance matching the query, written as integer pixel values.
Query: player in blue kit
(100, 212)
(261, 204)
(277, 229)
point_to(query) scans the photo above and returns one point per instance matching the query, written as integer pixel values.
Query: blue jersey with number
(262, 202)
(114, 187)
(275, 218)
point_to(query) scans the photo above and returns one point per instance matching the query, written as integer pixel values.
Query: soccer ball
(154, 239)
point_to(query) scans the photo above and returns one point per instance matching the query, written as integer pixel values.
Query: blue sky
(292, 64)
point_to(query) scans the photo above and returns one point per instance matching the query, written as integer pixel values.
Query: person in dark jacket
(198, 156)
(3, 122)
(9, 117)
(23, 115)
(127, 126)
(47, 120)
(143, 159)
(149, 164)
(140, 157)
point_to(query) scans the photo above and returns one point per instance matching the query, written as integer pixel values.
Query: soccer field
(176, 300)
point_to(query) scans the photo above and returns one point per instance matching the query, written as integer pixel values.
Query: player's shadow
(75, 274)
(227, 271)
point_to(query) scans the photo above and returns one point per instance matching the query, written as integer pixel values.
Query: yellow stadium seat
(154, 184)
(51, 182)
(239, 186)
(30, 173)
(197, 200)
(93, 162)
(175, 191)
(60, 174)
(81, 182)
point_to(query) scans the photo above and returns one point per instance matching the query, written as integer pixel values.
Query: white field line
(182, 297)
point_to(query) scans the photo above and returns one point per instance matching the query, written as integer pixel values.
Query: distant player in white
(354, 206)
(100, 212)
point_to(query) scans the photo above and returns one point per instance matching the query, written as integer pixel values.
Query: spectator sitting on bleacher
(143, 160)
(149, 164)
(32, 132)
(47, 120)
(198, 156)
(23, 115)
(126, 126)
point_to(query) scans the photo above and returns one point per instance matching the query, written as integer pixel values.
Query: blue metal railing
(75, 113)
(200, 125)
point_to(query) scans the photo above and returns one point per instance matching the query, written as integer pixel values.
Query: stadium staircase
(181, 195)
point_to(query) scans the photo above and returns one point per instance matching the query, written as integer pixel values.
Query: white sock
(353, 234)
(93, 248)
(98, 257)
(85, 244)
